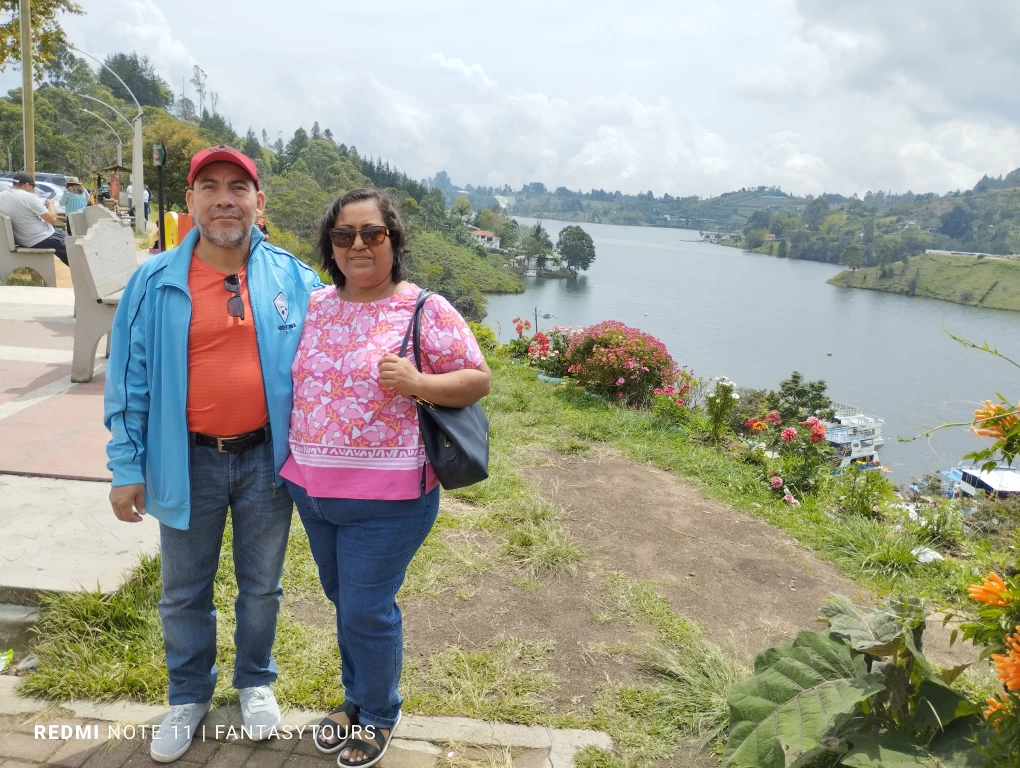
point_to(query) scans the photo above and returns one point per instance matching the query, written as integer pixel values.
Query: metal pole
(138, 179)
(27, 96)
(162, 219)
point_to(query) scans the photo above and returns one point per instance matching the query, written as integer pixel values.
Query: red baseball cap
(222, 154)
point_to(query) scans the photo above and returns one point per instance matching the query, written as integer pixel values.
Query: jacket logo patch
(280, 302)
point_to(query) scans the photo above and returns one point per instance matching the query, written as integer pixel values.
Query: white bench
(85, 218)
(13, 256)
(101, 263)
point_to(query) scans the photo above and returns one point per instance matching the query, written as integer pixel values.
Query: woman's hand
(399, 373)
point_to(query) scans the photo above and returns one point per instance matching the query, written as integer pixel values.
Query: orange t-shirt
(226, 395)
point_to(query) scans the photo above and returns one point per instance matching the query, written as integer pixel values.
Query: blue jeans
(260, 514)
(362, 549)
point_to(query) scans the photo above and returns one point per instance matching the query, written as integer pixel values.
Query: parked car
(43, 190)
(57, 179)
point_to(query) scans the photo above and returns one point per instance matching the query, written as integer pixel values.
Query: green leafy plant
(484, 335)
(861, 694)
(548, 351)
(797, 399)
(518, 348)
(858, 491)
(720, 406)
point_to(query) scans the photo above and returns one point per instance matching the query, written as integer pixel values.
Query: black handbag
(456, 440)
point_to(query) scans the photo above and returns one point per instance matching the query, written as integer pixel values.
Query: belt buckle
(219, 445)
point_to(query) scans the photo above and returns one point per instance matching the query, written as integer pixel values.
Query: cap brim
(221, 157)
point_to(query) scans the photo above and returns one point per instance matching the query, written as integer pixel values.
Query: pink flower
(791, 501)
(812, 420)
(774, 418)
(776, 482)
(789, 435)
(620, 381)
(679, 401)
(658, 391)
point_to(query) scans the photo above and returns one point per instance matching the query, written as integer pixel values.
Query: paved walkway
(76, 734)
(59, 532)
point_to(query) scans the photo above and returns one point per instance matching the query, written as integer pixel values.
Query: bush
(619, 362)
(861, 492)
(939, 525)
(518, 348)
(548, 351)
(720, 406)
(671, 405)
(484, 335)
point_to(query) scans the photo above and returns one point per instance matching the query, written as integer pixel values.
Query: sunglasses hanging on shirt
(235, 304)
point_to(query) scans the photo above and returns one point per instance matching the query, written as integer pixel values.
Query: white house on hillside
(486, 239)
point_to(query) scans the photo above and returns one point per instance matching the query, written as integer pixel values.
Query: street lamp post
(27, 96)
(137, 174)
(120, 144)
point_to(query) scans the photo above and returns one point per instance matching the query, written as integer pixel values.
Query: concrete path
(59, 532)
(73, 734)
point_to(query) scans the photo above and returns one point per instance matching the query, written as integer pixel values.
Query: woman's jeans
(260, 514)
(362, 549)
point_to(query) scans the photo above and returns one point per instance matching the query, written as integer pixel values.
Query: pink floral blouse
(351, 438)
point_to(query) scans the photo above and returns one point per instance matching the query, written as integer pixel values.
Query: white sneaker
(260, 711)
(176, 731)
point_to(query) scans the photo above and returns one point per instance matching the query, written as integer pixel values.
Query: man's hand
(128, 502)
(399, 373)
(49, 203)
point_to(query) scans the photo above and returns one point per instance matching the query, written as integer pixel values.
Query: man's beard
(228, 238)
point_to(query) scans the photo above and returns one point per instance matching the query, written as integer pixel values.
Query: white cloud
(672, 97)
(472, 73)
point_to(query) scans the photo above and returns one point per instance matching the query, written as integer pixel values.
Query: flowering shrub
(484, 335)
(799, 452)
(518, 348)
(548, 351)
(616, 361)
(997, 631)
(720, 406)
(672, 404)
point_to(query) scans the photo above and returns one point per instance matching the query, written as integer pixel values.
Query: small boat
(855, 436)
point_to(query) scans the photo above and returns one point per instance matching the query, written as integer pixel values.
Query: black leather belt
(236, 444)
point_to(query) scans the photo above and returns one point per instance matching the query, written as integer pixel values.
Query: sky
(690, 98)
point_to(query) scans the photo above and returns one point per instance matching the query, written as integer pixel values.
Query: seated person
(31, 219)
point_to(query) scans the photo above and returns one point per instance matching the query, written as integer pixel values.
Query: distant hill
(992, 283)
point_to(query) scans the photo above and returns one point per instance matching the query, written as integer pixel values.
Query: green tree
(490, 220)
(852, 256)
(181, 140)
(48, 35)
(409, 209)
(296, 145)
(218, 128)
(957, 222)
(251, 147)
(433, 209)
(754, 238)
(185, 110)
(295, 201)
(816, 212)
(782, 249)
(140, 76)
(536, 246)
(316, 131)
(576, 247)
(461, 208)
(509, 234)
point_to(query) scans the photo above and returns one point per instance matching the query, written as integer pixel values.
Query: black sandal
(375, 754)
(336, 728)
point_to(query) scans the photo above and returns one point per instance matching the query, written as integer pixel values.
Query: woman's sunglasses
(373, 234)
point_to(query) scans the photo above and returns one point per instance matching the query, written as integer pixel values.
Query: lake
(756, 318)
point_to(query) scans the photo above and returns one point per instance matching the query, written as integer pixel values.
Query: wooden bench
(101, 261)
(13, 256)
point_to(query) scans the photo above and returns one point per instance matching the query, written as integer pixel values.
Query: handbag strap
(414, 328)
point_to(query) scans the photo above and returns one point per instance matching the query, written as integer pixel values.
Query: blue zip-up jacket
(147, 375)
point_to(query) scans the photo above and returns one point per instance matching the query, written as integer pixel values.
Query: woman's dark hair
(390, 217)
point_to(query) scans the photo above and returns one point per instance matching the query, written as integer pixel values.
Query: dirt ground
(748, 583)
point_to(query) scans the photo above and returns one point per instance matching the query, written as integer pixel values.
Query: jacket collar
(179, 259)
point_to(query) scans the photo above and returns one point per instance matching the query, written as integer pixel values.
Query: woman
(357, 470)
(74, 199)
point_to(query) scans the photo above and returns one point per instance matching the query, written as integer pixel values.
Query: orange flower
(1000, 704)
(1007, 665)
(994, 420)
(992, 591)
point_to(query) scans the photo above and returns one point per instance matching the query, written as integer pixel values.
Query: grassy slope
(432, 249)
(959, 279)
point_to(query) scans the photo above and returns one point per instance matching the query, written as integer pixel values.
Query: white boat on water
(855, 436)
(971, 481)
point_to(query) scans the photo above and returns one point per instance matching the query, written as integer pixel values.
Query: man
(31, 219)
(147, 207)
(198, 400)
